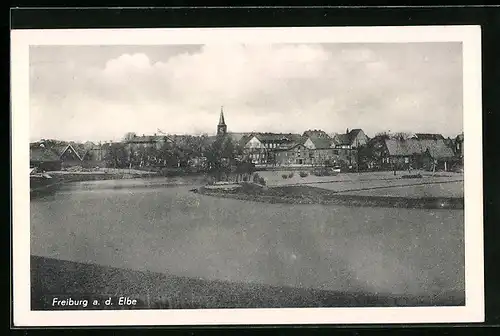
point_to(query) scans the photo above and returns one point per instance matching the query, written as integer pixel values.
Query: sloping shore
(43, 187)
(305, 194)
(64, 279)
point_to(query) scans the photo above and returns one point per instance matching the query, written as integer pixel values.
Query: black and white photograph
(247, 176)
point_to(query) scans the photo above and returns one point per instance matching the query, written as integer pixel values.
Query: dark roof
(342, 139)
(244, 140)
(354, 132)
(42, 154)
(460, 137)
(403, 147)
(429, 136)
(436, 148)
(321, 142)
(237, 136)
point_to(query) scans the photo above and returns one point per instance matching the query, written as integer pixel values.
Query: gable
(309, 144)
(70, 154)
(254, 142)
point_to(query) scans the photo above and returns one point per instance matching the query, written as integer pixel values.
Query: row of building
(312, 148)
(352, 149)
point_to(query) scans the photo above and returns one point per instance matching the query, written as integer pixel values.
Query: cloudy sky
(101, 92)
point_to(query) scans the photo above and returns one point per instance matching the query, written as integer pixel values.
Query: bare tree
(129, 136)
(401, 136)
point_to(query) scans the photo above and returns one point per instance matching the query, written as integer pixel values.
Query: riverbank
(52, 278)
(43, 186)
(305, 194)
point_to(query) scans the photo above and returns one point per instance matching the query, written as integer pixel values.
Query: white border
(468, 35)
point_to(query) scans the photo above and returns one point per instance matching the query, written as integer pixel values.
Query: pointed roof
(342, 139)
(221, 118)
(321, 142)
(237, 136)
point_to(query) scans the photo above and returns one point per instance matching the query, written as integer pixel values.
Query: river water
(159, 225)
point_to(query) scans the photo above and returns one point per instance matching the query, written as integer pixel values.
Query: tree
(116, 156)
(168, 155)
(401, 136)
(383, 135)
(244, 168)
(221, 157)
(129, 136)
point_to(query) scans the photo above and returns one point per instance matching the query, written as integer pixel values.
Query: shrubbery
(245, 178)
(256, 178)
(303, 174)
(290, 175)
(284, 176)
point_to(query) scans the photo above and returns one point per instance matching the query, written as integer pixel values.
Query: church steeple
(222, 127)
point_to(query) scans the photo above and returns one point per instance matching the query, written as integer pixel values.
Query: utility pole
(357, 155)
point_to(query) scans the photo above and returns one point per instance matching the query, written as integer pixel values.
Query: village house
(70, 154)
(262, 148)
(416, 154)
(321, 150)
(313, 147)
(44, 158)
(296, 154)
(265, 148)
(347, 145)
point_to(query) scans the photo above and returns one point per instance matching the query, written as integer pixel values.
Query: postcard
(247, 176)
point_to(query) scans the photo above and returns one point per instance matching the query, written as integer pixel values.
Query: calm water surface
(155, 226)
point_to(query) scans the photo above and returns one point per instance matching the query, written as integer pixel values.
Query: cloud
(263, 87)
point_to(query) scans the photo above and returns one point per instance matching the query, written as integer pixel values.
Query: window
(407, 159)
(336, 152)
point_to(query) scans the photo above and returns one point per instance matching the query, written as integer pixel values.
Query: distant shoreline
(304, 194)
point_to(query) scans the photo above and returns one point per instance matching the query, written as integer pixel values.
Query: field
(376, 183)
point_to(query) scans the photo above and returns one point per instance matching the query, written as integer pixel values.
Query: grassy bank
(52, 278)
(305, 194)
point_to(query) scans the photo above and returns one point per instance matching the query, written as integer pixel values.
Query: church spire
(221, 118)
(221, 128)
